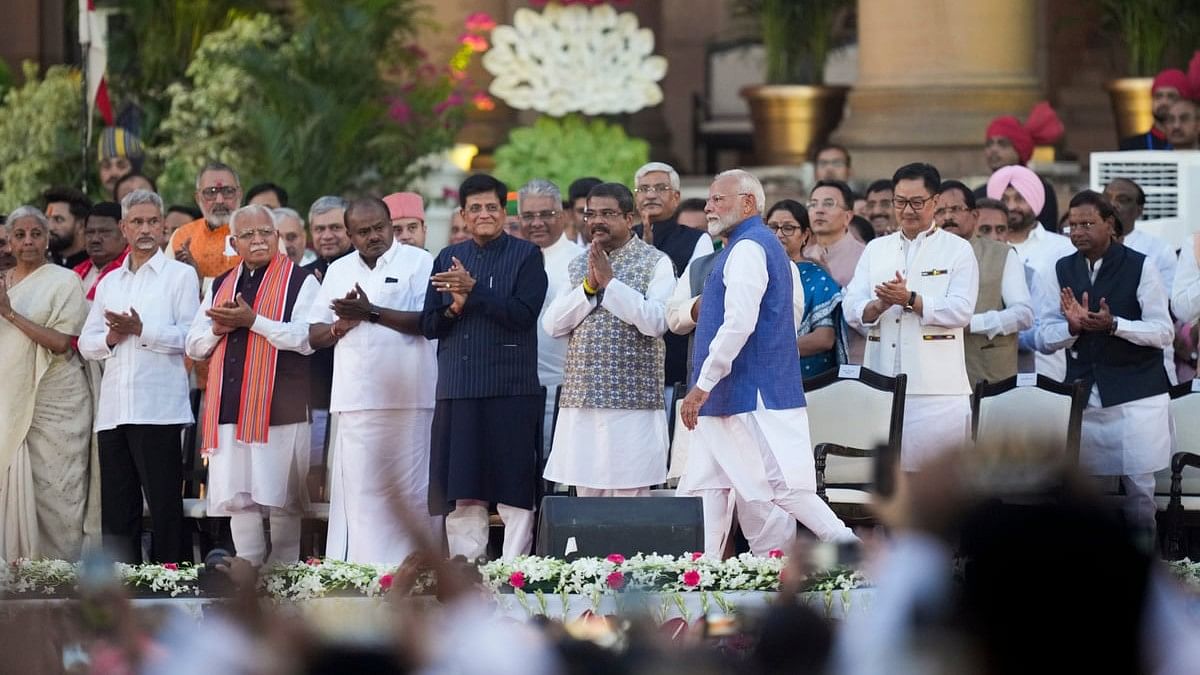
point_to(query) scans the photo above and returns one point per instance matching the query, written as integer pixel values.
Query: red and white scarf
(258, 377)
(84, 268)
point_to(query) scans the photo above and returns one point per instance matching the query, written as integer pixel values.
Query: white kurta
(611, 448)
(1040, 251)
(1134, 437)
(735, 451)
(241, 475)
(933, 423)
(383, 389)
(1165, 261)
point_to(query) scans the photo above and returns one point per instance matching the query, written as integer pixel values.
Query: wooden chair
(1180, 496)
(1037, 412)
(851, 411)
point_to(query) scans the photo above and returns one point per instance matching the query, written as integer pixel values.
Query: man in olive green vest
(1003, 307)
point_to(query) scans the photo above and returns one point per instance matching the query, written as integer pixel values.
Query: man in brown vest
(1003, 307)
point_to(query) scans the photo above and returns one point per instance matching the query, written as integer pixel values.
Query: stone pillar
(931, 75)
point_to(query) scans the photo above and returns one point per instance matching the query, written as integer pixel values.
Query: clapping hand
(894, 292)
(124, 323)
(1075, 312)
(355, 307)
(5, 304)
(456, 281)
(229, 316)
(600, 270)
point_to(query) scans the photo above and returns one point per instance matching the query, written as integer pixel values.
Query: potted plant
(794, 110)
(1154, 33)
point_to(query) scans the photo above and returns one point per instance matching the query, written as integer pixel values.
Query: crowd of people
(546, 342)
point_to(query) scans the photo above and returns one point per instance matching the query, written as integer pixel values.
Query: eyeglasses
(530, 216)
(249, 235)
(824, 204)
(987, 229)
(602, 214)
(787, 230)
(660, 188)
(917, 203)
(476, 209)
(226, 191)
(950, 210)
(718, 198)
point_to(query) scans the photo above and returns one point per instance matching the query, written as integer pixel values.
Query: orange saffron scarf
(258, 378)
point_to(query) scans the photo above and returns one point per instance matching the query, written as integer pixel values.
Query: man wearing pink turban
(1170, 86)
(1008, 142)
(1024, 193)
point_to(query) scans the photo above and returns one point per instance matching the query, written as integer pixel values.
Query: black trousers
(136, 458)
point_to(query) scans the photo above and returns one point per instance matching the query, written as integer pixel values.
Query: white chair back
(1024, 417)
(852, 414)
(1185, 437)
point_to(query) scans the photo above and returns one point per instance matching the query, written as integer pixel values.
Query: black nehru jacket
(1146, 141)
(679, 243)
(1121, 370)
(321, 361)
(491, 350)
(289, 402)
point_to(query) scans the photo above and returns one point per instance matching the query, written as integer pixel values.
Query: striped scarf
(258, 378)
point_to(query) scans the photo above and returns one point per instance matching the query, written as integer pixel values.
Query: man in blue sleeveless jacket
(746, 408)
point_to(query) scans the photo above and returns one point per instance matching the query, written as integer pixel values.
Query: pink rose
(480, 21)
(170, 566)
(691, 578)
(314, 562)
(774, 553)
(696, 555)
(615, 558)
(517, 579)
(616, 581)
(385, 583)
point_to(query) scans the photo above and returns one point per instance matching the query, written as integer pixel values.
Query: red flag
(93, 34)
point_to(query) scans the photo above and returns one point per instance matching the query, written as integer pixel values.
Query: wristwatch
(373, 316)
(912, 300)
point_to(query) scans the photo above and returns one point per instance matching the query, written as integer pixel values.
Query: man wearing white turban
(1022, 192)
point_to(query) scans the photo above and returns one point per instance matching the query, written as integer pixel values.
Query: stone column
(931, 75)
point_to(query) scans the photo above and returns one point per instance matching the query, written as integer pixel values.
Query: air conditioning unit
(1171, 181)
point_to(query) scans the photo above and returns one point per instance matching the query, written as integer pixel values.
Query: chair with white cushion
(851, 411)
(1177, 493)
(1020, 414)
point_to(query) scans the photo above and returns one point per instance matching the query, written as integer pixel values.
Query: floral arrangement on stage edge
(526, 577)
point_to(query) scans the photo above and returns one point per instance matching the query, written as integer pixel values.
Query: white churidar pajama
(764, 457)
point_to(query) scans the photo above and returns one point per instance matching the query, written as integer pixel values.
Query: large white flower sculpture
(575, 59)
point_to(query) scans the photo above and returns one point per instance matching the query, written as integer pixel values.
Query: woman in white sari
(45, 401)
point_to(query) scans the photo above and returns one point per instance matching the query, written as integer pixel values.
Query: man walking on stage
(751, 438)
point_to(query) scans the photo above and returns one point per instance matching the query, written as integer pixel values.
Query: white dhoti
(764, 460)
(933, 426)
(248, 481)
(609, 449)
(1132, 440)
(380, 480)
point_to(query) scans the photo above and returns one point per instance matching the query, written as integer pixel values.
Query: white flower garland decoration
(575, 59)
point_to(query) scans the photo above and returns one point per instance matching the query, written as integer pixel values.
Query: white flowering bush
(575, 59)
